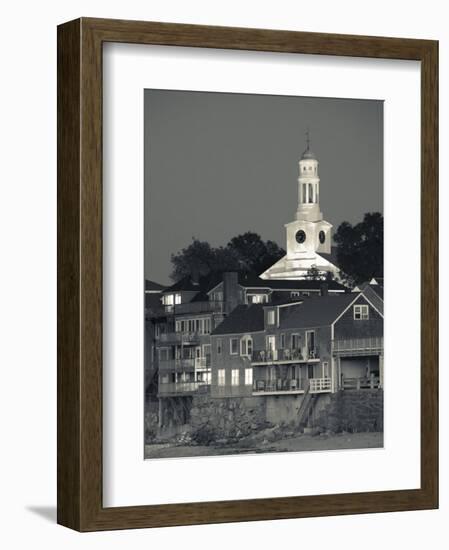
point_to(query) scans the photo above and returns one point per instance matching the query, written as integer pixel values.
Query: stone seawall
(352, 411)
(208, 420)
(228, 417)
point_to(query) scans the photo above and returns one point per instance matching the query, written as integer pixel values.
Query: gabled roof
(316, 311)
(243, 319)
(152, 286)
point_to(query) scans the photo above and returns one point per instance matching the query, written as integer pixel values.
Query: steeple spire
(308, 138)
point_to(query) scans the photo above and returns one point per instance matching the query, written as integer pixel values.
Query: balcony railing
(284, 356)
(372, 383)
(320, 385)
(373, 344)
(213, 306)
(180, 337)
(177, 364)
(279, 385)
(183, 388)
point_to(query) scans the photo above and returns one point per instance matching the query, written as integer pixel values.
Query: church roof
(308, 154)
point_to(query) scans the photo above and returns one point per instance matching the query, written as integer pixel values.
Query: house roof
(153, 286)
(187, 284)
(315, 311)
(241, 320)
(252, 280)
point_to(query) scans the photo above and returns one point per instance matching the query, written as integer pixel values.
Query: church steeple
(308, 236)
(308, 186)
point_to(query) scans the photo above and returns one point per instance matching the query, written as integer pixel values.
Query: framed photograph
(247, 274)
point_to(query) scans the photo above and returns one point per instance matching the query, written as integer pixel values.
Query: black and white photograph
(263, 282)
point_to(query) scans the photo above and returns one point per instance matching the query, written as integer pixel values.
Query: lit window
(257, 298)
(235, 377)
(219, 346)
(234, 343)
(361, 312)
(271, 318)
(248, 377)
(177, 298)
(221, 377)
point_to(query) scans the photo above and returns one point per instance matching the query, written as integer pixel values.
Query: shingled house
(319, 344)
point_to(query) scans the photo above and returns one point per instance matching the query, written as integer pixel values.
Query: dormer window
(271, 317)
(361, 312)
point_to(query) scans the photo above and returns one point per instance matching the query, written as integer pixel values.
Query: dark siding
(347, 327)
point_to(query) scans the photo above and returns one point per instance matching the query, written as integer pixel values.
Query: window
(270, 317)
(295, 341)
(234, 345)
(235, 377)
(257, 298)
(295, 294)
(177, 298)
(361, 312)
(163, 354)
(207, 326)
(282, 341)
(219, 346)
(248, 377)
(325, 369)
(217, 296)
(246, 346)
(310, 193)
(221, 377)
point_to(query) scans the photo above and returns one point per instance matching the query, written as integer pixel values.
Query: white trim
(230, 346)
(372, 305)
(346, 309)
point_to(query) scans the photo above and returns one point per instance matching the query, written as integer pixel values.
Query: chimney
(324, 288)
(230, 291)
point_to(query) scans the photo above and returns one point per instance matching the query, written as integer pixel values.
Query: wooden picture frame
(80, 504)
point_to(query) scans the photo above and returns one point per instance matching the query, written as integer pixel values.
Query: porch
(291, 386)
(284, 356)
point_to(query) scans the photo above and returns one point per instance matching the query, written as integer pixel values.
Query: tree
(254, 254)
(247, 252)
(201, 259)
(360, 249)
(313, 274)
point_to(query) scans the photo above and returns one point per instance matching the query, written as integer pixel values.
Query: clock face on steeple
(300, 236)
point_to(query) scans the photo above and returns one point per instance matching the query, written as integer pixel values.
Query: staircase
(306, 408)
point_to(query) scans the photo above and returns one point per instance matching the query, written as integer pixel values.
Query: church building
(309, 236)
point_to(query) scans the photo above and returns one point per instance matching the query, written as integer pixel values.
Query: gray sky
(217, 165)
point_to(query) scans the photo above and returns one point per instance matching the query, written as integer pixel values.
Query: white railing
(320, 385)
(373, 343)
